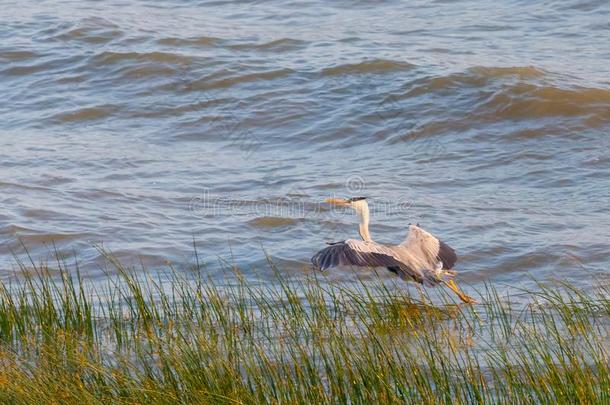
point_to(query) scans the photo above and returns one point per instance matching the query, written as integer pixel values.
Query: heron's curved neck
(363, 216)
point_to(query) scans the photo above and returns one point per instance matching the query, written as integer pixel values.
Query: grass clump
(180, 338)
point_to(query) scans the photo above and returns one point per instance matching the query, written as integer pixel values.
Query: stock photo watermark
(294, 205)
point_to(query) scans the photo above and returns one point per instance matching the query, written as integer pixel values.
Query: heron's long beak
(337, 201)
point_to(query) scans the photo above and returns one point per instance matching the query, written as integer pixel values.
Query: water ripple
(368, 66)
(229, 123)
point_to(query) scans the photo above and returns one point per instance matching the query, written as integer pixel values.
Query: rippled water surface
(145, 126)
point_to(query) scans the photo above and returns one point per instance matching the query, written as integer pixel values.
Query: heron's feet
(465, 298)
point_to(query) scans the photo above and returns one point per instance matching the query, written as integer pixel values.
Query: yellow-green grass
(176, 337)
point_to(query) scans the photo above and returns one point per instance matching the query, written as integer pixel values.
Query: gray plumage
(421, 257)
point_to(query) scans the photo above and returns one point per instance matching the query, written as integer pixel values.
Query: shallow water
(145, 126)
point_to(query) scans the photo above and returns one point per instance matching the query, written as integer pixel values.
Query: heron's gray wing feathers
(427, 250)
(365, 254)
(447, 255)
(355, 253)
(423, 251)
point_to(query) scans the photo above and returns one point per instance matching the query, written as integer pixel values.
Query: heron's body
(421, 257)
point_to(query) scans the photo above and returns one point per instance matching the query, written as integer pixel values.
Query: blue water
(141, 127)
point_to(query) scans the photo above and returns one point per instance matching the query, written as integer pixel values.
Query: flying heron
(421, 257)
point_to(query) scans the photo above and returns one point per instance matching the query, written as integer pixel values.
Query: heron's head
(356, 203)
(361, 207)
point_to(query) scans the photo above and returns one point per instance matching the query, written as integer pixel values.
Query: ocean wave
(278, 45)
(90, 36)
(489, 95)
(92, 30)
(111, 57)
(478, 76)
(213, 82)
(22, 186)
(26, 70)
(271, 222)
(17, 55)
(20, 235)
(86, 114)
(148, 71)
(368, 66)
(196, 41)
(529, 101)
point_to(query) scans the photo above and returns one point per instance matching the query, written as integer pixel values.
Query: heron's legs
(451, 284)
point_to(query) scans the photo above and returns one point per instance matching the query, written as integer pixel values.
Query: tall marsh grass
(180, 338)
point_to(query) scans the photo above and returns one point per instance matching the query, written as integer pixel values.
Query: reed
(177, 337)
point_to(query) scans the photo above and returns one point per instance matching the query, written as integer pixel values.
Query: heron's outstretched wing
(447, 255)
(369, 254)
(428, 250)
(355, 253)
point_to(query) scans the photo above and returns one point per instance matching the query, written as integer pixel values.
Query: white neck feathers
(362, 208)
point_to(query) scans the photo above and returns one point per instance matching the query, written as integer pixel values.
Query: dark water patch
(271, 222)
(376, 66)
(288, 266)
(41, 243)
(90, 30)
(520, 72)
(520, 135)
(23, 186)
(528, 101)
(100, 194)
(13, 229)
(599, 161)
(197, 41)
(212, 83)
(205, 106)
(50, 238)
(26, 70)
(146, 258)
(8, 56)
(146, 72)
(71, 79)
(476, 77)
(586, 6)
(53, 179)
(278, 45)
(349, 40)
(487, 28)
(90, 35)
(86, 114)
(522, 264)
(449, 51)
(43, 70)
(604, 26)
(111, 57)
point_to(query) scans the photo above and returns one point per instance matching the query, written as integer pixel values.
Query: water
(145, 126)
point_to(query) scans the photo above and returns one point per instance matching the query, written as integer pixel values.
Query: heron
(421, 257)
